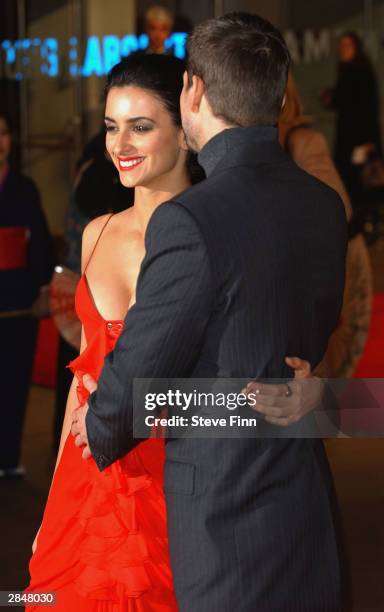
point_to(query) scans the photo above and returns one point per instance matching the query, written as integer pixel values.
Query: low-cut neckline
(92, 300)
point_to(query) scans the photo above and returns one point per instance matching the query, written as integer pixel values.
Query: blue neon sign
(22, 58)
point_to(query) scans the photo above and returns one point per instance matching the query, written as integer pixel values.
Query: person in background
(310, 151)
(307, 146)
(97, 190)
(26, 266)
(355, 99)
(158, 24)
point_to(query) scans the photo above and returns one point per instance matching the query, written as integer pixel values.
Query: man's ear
(196, 93)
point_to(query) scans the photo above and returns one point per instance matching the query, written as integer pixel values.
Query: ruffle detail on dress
(91, 360)
(114, 553)
(113, 550)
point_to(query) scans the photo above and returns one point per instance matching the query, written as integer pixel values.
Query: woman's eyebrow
(130, 120)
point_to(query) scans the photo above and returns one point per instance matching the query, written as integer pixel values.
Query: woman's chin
(128, 181)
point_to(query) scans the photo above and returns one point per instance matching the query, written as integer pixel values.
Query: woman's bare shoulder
(91, 234)
(93, 228)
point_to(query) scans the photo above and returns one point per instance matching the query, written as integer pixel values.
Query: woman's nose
(123, 145)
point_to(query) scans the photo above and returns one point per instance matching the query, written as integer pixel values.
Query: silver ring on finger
(288, 391)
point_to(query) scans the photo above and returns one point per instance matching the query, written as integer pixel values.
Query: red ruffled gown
(103, 542)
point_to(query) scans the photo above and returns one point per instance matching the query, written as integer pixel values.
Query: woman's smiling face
(144, 143)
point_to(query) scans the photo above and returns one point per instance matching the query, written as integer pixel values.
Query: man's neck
(217, 127)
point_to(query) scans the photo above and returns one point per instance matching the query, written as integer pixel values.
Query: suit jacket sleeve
(163, 331)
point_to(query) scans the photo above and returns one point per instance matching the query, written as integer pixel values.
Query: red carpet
(371, 364)
(362, 402)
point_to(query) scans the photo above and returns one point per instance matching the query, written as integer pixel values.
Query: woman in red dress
(102, 545)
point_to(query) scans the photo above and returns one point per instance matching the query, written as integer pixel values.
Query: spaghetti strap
(97, 242)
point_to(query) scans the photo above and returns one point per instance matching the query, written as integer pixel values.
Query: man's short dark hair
(243, 61)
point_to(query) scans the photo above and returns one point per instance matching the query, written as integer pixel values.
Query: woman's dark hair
(161, 75)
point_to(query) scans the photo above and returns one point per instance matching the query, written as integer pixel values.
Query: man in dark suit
(241, 270)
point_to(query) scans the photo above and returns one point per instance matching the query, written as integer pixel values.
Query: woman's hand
(285, 404)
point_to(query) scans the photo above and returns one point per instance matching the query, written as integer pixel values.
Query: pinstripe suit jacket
(241, 270)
